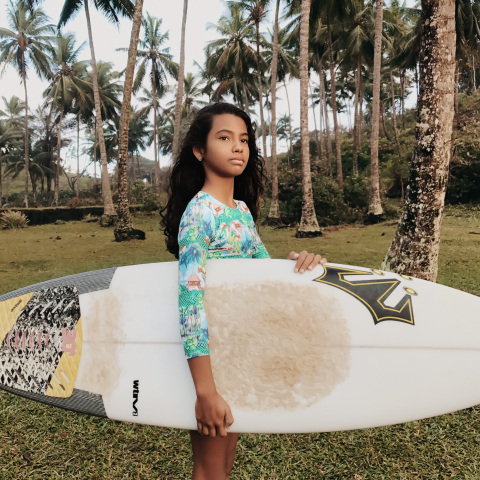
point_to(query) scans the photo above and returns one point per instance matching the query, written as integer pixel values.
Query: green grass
(40, 442)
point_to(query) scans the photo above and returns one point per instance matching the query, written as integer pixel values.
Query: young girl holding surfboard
(215, 187)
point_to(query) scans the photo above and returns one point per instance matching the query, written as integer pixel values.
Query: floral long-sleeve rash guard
(209, 229)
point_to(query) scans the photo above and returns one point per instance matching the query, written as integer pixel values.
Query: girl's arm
(212, 412)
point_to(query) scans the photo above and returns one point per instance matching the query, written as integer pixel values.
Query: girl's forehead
(228, 121)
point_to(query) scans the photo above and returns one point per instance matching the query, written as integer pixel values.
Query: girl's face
(226, 152)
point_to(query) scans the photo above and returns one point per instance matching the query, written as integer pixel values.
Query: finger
(316, 261)
(221, 431)
(204, 430)
(228, 418)
(323, 261)
(292, 255)
(200, 428)
(301, 258)
(306, 262)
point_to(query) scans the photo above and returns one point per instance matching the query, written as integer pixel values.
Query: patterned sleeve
(259, 250)
(196, 228)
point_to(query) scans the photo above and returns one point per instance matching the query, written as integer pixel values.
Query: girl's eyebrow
(229, 131)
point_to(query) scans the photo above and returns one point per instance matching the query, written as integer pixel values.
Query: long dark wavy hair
(187, 175)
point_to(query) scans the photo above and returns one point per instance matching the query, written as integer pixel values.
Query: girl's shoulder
(199, 206)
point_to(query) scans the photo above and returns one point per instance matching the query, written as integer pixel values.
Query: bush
(75, 203)
(146, 196)
(330, 206)
(13, 220)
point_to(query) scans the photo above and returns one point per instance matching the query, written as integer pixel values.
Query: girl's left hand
(306, 261)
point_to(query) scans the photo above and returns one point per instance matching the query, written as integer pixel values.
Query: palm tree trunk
(394, 108)
(27, 143)
(290, 130)
(455, 93)
(474, 76)
(402, 90)
(414, 250)
(356, 121)
(108, 208)
(328, 140)
(181, 77)
(260, 90)
(333, 101)
(375, 210)
(57, 166)
(77, 186)
(274, 213)
(308, 223)
(360, 114)
(382, 118)
(155, 132)
(124, 228)
(317, 138)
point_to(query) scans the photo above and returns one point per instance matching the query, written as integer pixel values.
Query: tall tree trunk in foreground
(274, 213)
(375, 210)
(308, 223)
(333, 101)
(414, 250)
(124, 228)
(109, 213)
(181, 77)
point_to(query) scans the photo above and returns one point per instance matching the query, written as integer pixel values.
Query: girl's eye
(245, 140)
(223, 137)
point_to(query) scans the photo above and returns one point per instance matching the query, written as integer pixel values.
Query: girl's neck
(221, 190)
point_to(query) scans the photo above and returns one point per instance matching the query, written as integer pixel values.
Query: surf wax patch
(276, 345)
(41, 345)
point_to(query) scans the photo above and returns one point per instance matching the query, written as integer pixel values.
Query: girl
(215, 187)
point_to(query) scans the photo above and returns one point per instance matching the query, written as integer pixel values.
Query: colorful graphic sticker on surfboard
(41, 341)
(372, 292)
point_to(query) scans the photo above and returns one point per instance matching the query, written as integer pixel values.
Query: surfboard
(337, 348)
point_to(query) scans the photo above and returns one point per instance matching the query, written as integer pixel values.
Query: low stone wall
(41, 216)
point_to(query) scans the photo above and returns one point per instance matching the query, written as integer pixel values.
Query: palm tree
(231, 58)
(308, 224)
(124, 227)
(109, 91)
(23, 45)
(13, 111)
(8, 132)
(375, 210)
(67, 89)
(158, 59)
(111, 9)
(414, 250)
(181, 70)
(256, 10)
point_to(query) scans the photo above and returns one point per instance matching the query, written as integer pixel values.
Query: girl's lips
(237, 161)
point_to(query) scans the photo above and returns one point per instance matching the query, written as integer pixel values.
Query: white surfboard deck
(336, 348)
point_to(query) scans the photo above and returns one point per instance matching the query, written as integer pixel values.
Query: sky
(108, 37)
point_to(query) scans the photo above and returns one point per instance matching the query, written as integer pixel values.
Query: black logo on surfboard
(136, 391)
(372, 293)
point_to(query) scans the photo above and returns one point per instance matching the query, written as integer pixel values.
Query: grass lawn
(40, 442)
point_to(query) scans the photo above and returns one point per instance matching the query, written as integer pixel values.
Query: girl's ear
(198, 152)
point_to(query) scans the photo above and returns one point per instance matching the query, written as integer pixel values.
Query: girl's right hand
(213, 415)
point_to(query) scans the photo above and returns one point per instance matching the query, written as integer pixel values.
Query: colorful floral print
(208, 229)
